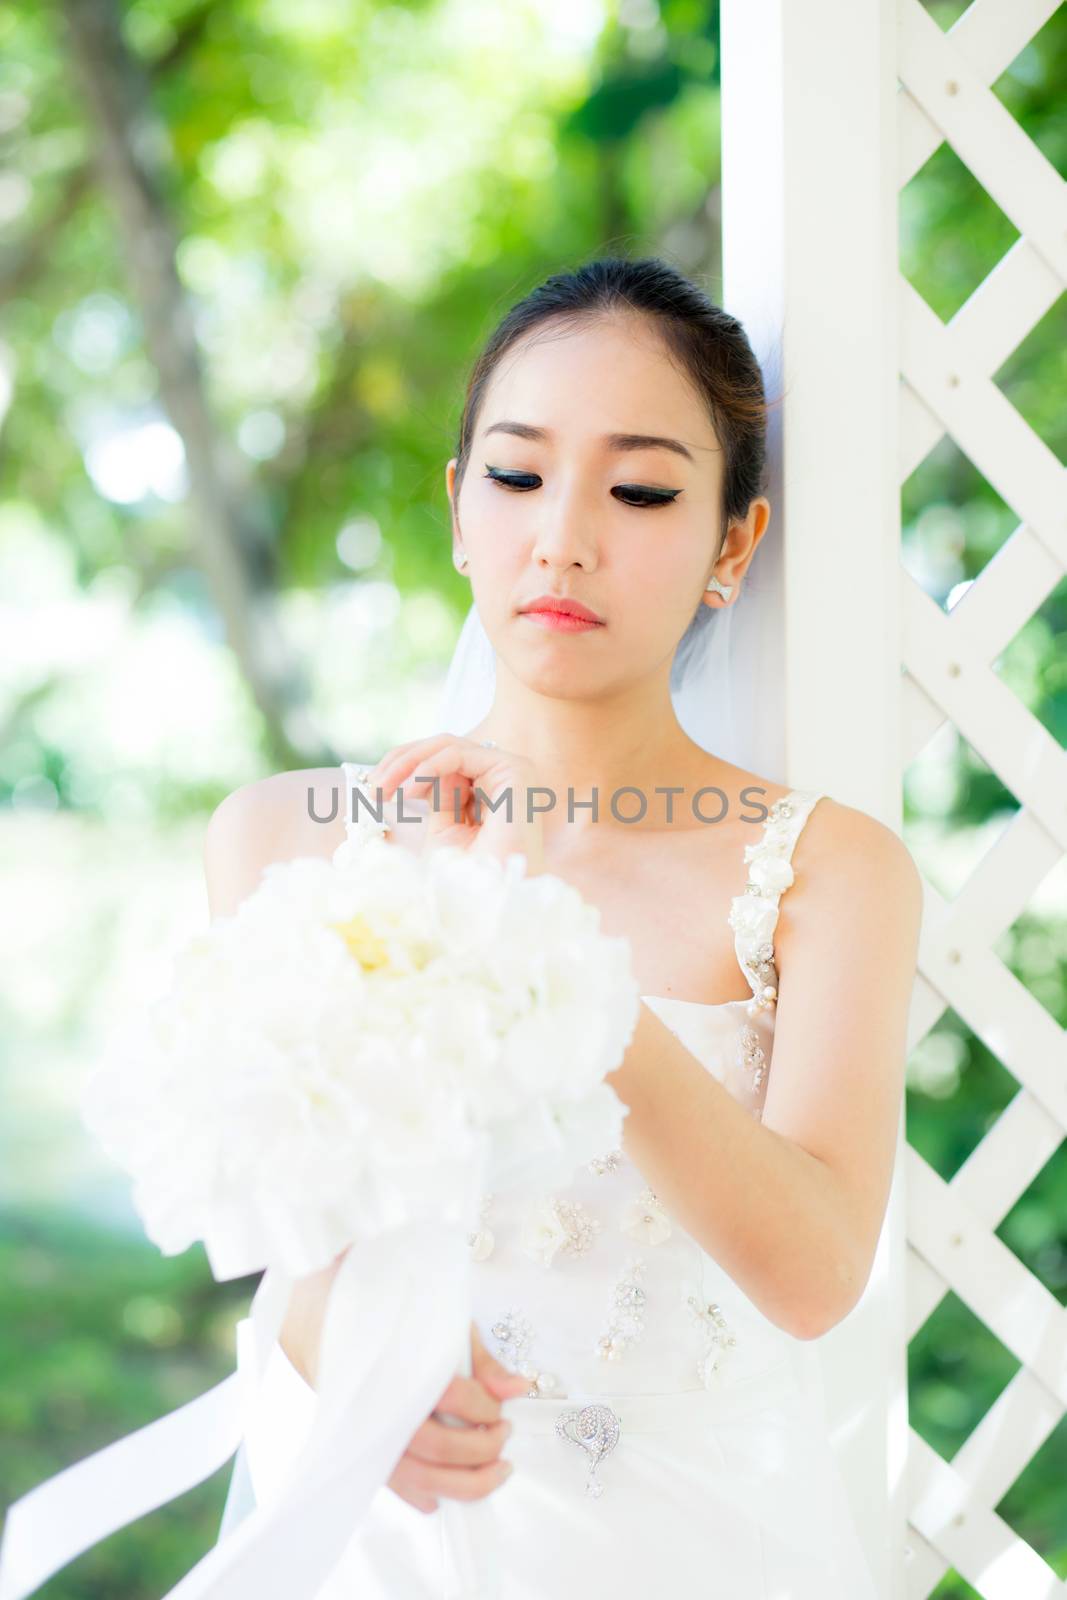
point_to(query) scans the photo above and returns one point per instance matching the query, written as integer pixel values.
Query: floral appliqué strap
(754, 914)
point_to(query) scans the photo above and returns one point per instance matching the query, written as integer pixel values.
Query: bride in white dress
(666, 1433)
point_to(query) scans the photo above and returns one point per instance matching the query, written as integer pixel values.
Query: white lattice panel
(947, 387)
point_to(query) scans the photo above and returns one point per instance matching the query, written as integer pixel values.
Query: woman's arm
(301, 1330)
(792, 1206)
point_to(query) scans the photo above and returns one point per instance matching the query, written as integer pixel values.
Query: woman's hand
(460, 765)
(461, 1463)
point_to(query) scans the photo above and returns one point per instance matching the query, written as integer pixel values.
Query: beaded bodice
(594, 1288)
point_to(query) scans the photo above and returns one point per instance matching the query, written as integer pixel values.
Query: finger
(493, 1374)
(382, 776)
(452, 812)
(373, 773)
(485, 1366)
(459, 758)
(405, 744)
(449, 794)
(469, 1400)
(455, 797)
(468, 1446)
(412, 1497)
(404, 752)
(455, 1483)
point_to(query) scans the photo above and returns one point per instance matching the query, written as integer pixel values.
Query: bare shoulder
(846, 861)
(278, 818)
(840, 853)
(858, 842)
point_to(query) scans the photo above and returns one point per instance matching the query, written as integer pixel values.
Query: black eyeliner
(653, 497)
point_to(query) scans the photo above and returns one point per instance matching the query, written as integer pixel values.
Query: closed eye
(643, 494)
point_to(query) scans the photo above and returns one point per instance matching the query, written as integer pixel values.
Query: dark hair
(710, 345)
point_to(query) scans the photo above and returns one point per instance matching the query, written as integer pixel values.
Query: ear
(738, 548)
(450, 486)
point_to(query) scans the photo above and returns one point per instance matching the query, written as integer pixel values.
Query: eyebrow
(618, 442)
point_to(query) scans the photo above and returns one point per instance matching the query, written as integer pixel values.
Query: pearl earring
(461, 560)
(715, 587)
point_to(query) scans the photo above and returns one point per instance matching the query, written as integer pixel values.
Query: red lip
(561, 607)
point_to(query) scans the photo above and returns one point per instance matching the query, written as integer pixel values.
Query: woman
(610, 463)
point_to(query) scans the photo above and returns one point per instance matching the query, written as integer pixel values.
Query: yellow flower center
(364, 945)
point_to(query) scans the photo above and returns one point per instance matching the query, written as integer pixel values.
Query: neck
(630, 739)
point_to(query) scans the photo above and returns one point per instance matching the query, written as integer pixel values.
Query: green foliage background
(356, 191)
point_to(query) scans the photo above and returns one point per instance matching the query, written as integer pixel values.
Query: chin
(561, 680)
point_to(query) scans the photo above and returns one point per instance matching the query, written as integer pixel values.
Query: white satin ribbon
(65, 1516)
(469, 1535)
(396, 1329)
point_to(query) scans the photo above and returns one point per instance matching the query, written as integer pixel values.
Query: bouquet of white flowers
(344, 1066)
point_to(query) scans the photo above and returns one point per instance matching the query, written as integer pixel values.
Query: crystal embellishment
(718, 1338)
(604, 1164)
(482, 1240)
(514, 1335)
(754, 913)
(752, 1057)
(596, 1429)
(766, 998)
(363, 820)
(558, 1226)
(760, 963)
(626, 1322)
(645, 1219)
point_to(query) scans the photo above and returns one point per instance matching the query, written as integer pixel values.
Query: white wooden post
(809, 267)
(828, 109)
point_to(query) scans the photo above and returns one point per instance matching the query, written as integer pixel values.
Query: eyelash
(653, 497)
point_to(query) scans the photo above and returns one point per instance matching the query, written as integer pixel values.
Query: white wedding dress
(673, 1441)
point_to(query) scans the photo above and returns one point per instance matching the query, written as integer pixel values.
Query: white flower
(717, 1337)
(754, 918)
(771, 873)
(712, 1368)
(645, 1219)
(481, 1243)
(340, 1055)
(776, 839)
(543, 1233)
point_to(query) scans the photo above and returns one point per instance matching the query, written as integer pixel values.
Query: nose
(566, 533)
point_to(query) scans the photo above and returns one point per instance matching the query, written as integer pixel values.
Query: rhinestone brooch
(596, 1429)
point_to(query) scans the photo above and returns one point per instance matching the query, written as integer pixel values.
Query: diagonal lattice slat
(1008, 165)
(943, 655)
(987, 38)
(988, 1277)
(947, 388)
(983, 422)
(970, 1537)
